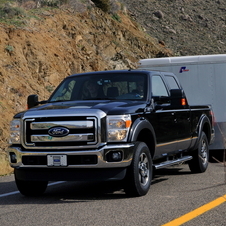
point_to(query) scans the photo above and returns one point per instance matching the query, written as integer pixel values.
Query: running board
(172, 162)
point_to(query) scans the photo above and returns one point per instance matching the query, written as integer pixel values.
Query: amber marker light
(128, 123)
(183, 102)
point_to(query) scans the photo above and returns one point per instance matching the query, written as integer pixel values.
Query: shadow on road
(82, 191)
(217, 156)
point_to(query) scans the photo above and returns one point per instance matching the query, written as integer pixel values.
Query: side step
(172, 162)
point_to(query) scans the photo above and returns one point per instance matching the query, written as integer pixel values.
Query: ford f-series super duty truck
(109, 125)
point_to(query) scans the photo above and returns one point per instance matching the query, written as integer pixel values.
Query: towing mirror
(32, 101)
(177, 97)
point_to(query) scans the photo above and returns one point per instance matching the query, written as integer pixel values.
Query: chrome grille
(83, 131)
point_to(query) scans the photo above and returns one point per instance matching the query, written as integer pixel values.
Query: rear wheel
(139, 174)
(200, 160)
(31, 188)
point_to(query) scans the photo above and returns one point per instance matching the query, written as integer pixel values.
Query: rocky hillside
(52, 43)
(188, 27)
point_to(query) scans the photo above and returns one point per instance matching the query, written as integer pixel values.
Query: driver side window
(158, 86)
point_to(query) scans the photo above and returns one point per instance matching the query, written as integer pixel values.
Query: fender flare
(203, 120)
(139, 125)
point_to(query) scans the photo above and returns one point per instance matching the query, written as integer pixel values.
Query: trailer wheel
(200, 160)
(139, 173)
(31, 188)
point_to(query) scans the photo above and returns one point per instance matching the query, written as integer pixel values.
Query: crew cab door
(182, 114)
(163, 120)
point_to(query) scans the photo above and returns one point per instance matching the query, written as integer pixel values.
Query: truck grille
(60, 132)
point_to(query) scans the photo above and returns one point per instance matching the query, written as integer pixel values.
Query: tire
(139, 173)
(31, 188)
(200, 160)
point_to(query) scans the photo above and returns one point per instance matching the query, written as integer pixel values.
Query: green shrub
(116, 17)
(49, 88)
(102, 4)
(50, 3)
(8, 11)
(9, 48)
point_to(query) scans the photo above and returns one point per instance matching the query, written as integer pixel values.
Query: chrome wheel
(139, 173)
(143, 169)
(204, 152)
(200, 160)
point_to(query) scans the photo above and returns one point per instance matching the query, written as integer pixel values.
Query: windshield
(107, 86)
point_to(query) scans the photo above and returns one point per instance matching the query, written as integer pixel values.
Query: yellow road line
(195, 213)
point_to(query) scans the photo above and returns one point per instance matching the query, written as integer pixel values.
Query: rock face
(188, 27)
(57, 43)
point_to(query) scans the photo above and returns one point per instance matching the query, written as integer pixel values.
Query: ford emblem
(58, 132)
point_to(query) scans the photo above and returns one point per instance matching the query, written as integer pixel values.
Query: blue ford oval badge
(58, 132)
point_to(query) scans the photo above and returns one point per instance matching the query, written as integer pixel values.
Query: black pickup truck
(109, 125)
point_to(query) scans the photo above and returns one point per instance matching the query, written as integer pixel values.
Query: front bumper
(94, 159)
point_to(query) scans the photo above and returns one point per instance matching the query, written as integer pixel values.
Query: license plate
(56, 160)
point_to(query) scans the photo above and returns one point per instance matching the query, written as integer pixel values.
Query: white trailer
(203, 78)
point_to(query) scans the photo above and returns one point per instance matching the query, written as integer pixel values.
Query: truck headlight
(118, 127)
(15, 131)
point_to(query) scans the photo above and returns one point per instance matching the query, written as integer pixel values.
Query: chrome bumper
(16, 154)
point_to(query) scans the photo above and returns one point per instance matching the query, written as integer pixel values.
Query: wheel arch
(204, 125)
(142, 130)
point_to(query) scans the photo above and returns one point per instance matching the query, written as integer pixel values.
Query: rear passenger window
(172, 82)
(158, 86)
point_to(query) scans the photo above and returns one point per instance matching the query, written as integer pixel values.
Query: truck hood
(108, 106)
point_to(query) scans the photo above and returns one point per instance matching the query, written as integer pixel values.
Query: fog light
(114, 156)
(13, 157)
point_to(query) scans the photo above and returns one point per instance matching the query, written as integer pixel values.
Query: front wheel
(200, 160)
(31, 188)
(139, 173)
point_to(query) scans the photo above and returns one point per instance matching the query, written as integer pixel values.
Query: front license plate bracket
(57, 160)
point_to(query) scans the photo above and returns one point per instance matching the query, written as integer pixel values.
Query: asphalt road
(174, 192)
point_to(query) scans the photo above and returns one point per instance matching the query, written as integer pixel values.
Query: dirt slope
(57, 43)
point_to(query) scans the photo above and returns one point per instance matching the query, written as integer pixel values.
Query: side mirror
(32, 101)
(178, 98)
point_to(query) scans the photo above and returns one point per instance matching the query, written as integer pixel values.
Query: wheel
(139, 173)
(200, 160)
(31, 188)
